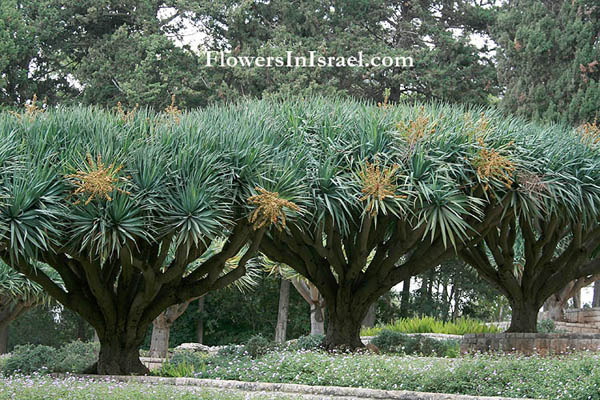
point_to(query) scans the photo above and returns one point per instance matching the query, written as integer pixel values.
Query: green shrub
(231, 351)
(76, 356)
(29, 358)
(546, 326)
(308, 342)
(258, 346)
(431, 325)
(400, 343)
(73, 357)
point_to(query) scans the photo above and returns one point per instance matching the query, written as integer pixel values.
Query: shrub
(308, 342)
(258, 346)
(76, 356)
(546, 326)
(231, 351)
(73, 357)
(30, 358)
(395, 342)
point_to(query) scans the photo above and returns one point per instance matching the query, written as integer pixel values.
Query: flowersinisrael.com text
(311, 60)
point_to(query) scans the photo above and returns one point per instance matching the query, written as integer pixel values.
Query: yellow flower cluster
(416, 129)
(491, 164)
(31, 110)
(126, 116)
(98, 181)
(270, 209)
(377, 184)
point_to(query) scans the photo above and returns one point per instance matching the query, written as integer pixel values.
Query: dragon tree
(120, 204)
(393, 190)
(550, 235)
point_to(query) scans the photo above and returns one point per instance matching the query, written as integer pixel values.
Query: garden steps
(307, 392)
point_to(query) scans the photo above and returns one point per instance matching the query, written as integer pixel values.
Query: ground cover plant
(575, 376)
(76, 388)
(432, 325)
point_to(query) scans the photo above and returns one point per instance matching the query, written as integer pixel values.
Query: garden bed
(574, 376)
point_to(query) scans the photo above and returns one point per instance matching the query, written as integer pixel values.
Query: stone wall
(530, 343)
(583, 315)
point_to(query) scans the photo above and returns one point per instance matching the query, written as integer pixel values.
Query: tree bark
(555, 307)
(524, 317)
(283, 309)
(120, 358)
(577, 299)
(3, 338)
(596, 299)
(369, 320)
(317, 320)
(200, 323)
(405, 298)
(343, 328)
(161, 331)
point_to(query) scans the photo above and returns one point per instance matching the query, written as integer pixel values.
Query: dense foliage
(69, 50)
(353, 196)
(548, 58)
(74, 357)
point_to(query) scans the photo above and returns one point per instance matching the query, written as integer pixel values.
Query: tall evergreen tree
(549, 58)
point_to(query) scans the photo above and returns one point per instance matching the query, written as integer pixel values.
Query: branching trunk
(121, 295)
(352, 269)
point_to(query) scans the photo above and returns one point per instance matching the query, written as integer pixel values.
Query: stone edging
(292, 389)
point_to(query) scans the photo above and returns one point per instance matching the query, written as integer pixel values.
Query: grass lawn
(39, 387)
(575, 376)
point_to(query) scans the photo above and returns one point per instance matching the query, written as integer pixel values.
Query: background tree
(548, 59)
(161, 326)
(306, 289)
(550, 233)
(17, 295)
(435, 33)
(556, 303)
(68, 50)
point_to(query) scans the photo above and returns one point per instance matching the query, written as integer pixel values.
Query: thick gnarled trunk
(343, 330)
(524, 316)
(119, 358)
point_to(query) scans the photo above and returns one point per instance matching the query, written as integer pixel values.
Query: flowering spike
(270, 209)
(97, 181)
